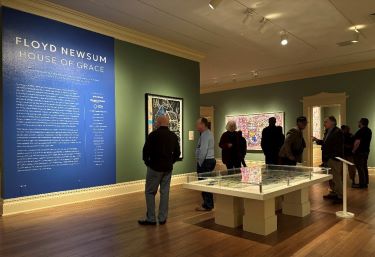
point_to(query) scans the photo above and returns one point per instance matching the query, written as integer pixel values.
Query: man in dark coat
(272, 140)
(361, 151)
(332, 147)
(160, 152)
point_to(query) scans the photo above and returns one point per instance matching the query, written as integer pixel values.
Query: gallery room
(231, 128)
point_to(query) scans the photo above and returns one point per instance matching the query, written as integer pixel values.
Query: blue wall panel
(58, 106)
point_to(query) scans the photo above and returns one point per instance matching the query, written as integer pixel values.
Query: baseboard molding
(37, 202)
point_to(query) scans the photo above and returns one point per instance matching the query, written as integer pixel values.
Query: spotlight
(263, 22)
(248, 13)
(255, 73)
(284, 38)
(356, 38)
(213, 4)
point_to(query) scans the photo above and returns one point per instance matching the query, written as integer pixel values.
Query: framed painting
(252, 126)
(158, 105)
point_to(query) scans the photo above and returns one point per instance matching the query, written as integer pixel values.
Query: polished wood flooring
(109, 227)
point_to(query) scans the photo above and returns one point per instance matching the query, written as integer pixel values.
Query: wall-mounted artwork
(157, 105)
(317, 122)
(252, 126)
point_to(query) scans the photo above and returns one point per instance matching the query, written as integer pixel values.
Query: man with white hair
(160, 152)
(231, 153)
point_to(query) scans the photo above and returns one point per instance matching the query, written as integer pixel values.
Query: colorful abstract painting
(172, 107)
(252, 126)
(317, 122)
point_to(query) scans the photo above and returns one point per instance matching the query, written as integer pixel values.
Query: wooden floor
(109, 228)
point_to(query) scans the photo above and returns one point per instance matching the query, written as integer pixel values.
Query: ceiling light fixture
(255, 73)
(263, 22)
(356, 36)
(213, 4)
(248, 14)
(284, 38)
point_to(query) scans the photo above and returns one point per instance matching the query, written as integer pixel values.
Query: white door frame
(321, 99)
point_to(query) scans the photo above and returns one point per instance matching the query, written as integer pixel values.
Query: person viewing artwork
(243, 148)
(332, 147)
(272, 141)
(361, 151)
(160, 152)
(292, 149)
(205, 154)
(230, 145)
(348, 152)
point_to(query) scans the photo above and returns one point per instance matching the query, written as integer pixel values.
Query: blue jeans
(155, 179)
(208, 198)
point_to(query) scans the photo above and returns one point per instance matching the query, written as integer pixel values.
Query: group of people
(335, 143)
(162, 150)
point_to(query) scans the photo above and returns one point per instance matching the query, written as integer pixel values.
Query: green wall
(287, 96)
(139, 71)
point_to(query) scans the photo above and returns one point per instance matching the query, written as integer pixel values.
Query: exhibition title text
(68, 55)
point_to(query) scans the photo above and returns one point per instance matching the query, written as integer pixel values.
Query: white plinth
(297, 203)
(259, 217)
(228, 211)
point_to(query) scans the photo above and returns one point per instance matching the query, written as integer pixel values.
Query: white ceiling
(231, 47)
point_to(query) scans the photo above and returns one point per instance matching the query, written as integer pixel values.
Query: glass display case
(259, 177)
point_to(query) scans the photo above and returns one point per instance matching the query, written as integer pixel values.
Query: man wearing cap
(292, 149)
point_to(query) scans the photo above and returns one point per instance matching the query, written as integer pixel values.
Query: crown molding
(288, 77)
(78, 19)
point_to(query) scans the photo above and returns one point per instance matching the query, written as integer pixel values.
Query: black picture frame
(176, 117)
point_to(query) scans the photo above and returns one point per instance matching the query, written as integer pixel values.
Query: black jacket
(161, 150)
(272, 140)
(332, 144)
(233, 153)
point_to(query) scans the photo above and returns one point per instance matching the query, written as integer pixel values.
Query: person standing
(230, 145)
(243, 148)
(332, 147)
(348, 152)
(160, 152)
(361, 151)
(205, 154)
(292, 149)
(272, 141)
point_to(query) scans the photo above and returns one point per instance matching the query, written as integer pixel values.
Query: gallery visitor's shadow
(287, 226)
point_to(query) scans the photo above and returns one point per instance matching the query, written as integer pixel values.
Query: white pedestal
(259, 217)
(228, 211)
(297, 203)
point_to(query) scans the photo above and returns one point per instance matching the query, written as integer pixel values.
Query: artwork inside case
(252, 126)
(157, 105)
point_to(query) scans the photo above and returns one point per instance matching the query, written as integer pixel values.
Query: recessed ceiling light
(213, 4)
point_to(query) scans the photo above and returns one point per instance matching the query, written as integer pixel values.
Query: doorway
(319, 113)
(329, 104)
